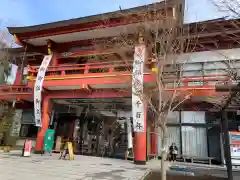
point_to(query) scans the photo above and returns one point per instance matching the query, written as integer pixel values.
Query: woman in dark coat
(173, 152)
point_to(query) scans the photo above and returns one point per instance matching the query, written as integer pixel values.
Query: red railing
(68, 70)
(89, 68)
(199, 79)
(15, 89)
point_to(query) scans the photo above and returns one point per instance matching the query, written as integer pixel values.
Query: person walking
(173, 152)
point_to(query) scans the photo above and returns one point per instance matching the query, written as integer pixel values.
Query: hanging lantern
(154, 70)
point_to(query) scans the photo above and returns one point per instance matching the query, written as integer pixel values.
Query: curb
(12, 151)
(210, 168)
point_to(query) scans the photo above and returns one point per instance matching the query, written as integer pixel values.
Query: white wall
(208, 63)
(194, 117)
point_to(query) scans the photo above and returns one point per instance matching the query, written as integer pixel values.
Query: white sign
(234, 138)
(25, 71)
(16, 124)
(137, 89)
(235, 155)
(127, 116)
(38, 90)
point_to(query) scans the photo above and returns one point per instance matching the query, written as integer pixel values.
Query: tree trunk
(164, 154)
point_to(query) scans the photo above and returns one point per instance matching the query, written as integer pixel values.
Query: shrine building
(86, 91)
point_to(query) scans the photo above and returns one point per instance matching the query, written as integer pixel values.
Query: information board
(234, 138)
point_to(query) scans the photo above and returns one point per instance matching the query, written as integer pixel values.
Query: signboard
(38, 90)
(137, 89)
(67, 150)
(234, 138)
(48, 140)
(16, 124)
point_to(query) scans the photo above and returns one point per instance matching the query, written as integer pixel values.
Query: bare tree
(6, 42)
(165, 39)
(229, 7)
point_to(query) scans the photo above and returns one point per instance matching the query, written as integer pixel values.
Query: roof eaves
(93, 18)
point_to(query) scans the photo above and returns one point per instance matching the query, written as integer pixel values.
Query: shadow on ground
(155, 175)
(12, 154)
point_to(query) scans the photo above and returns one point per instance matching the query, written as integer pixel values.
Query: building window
(173, 117)
(193, 117)
(194, 141)
(28, 130)
(173, 137)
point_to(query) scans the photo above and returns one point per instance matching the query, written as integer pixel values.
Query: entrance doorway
(92, 125)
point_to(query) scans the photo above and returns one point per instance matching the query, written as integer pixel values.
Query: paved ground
(14, 167)
(200, 169)
(218, 172)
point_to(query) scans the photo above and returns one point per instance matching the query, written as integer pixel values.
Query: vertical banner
(137, 89)
(38, 90)
(11, 77)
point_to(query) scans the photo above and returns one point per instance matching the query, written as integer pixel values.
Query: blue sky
(32, 12)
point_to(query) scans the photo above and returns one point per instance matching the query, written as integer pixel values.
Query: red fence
(90, 68)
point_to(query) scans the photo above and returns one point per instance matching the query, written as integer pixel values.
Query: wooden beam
(30, 47)
(227, 88)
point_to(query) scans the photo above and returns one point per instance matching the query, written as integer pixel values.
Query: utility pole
(233, 89)
(227, 153)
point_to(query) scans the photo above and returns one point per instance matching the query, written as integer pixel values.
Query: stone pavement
(14, 167)
(206, 166)
(155, 164)
(198, 169)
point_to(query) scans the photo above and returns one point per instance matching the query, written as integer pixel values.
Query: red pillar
(140, 144)
(45, 122)
(153, 140)
(18, 77)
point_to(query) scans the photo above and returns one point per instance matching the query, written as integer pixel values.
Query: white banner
(10, 79)
(38, 90)
(137, 88)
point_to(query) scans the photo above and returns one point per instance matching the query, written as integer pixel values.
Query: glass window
(194, 117)
(173, 137)
(173, 117)
(194, 141)
(28, 130)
